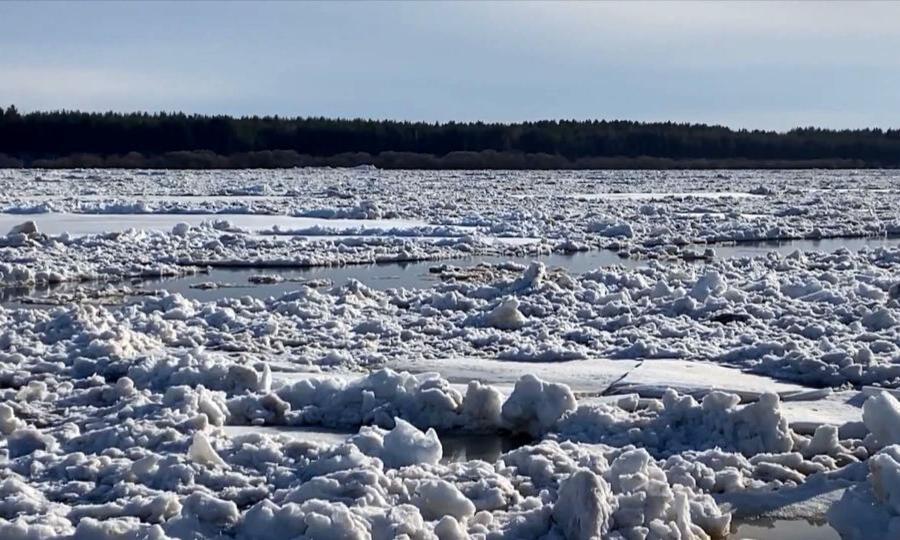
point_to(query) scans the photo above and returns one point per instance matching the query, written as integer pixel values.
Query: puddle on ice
(457, 446)
(783, 529)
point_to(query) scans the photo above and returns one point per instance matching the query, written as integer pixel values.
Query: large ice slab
(842, 409)
(652, 377)
(592, 376)
(75, 224)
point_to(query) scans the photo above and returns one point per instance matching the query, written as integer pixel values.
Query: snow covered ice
(662, 398)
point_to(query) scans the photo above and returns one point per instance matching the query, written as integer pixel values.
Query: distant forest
(175, 140)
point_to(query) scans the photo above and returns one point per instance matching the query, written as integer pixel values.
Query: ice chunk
(583, 509)
(482, 405)
(884, 473)
(439, 498)
(535, 405)
(530, 280)
(181, 229)
(17, 497)
(406, 445)
(611, 229)
(880, 319)
(24, 441)
(679, 423)
(506, 316)
(824, 442)
(881, 415)
(26, 228)
(201, 451)
(8, 420)
(711, 284)
(117, 529)
(208, 509)
(449, 528)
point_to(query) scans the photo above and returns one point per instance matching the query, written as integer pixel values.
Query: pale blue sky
(757, 65)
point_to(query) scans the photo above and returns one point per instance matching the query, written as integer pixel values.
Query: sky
(758, 65)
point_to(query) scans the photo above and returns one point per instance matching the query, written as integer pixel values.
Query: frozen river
(460, 354)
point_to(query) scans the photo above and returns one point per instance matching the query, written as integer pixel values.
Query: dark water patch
(382, 276)
(51, 295)
(786, 247)
(236, 282)
(418, 274)
(457, 447)
(466, 447)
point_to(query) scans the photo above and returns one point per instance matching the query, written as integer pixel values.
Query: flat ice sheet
(52, 223)
(316, 435)
(652, 377)
(665, 195)
(583, 376)
(838, 409)
(783, 529)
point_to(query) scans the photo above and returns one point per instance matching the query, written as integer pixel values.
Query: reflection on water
(8, 294)
(783, 529)
(76, 292)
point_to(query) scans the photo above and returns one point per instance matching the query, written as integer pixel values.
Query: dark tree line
(72, 138)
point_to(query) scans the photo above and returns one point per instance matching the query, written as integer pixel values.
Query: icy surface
(653, 399)
(328, 217)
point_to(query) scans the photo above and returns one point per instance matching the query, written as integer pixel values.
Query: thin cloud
(32, 88)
